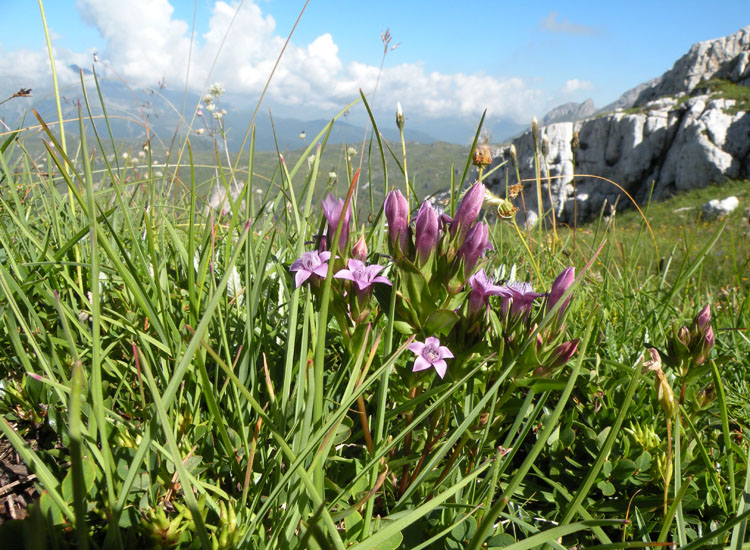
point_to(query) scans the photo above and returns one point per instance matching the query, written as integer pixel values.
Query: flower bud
(359, 250)
(513, 155)
(332, 208)
(702, 321)
(397, 214)
(561, 284)
(477, 241)
(399, 116)
(468, 210)
(706, 395)
(664, 393)
(427, 231)
(535, 132)
(562, 354)
(703, 346)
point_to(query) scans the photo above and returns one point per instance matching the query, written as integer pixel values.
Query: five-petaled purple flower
(364, 276)
(310, 263)
(481, 290)
(520, 296)
(430, 354)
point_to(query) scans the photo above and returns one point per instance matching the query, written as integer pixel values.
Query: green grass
(171, 386)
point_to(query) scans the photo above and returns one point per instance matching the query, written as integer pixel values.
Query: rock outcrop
(679, 136)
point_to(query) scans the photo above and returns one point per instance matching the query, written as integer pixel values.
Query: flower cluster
(441, 294)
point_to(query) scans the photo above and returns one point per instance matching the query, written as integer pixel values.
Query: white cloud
(145, 43)
(554, 22)
(575, 85)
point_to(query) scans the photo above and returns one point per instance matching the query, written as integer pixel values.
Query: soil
(17, 489)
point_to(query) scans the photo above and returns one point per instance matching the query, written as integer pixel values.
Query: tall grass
(170, 385)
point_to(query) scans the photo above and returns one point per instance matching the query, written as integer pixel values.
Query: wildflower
(468, 210)
(703, 319)
(518, 296)
(210, 107)
(399, 116)
(216, 89)
(430, 354)
(364, 276)
(563, 354)
(332, 208)
(481, 290)
(359, 250)
(310, 263)
(427, 231)
(561, 284)
(200, 131)
(397, 214)
(477, 241)
(351, 152)
(208, 99)
(482, 156)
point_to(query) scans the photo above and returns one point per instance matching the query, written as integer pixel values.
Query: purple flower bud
(561, 284)
(468, 210)
(474, 246)
(563, 353)
(397, 214)
(703, 346)
(427, 231)
(359, 250)
(332, 208)
(703, 319)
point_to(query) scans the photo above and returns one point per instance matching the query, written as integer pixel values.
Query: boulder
(719, 208)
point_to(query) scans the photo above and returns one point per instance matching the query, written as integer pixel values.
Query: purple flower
(397, 214)
(427, 232)
(703, 320)
(475, 244)
(430, 354)
(481, 290)
(519, 296)
(364, 276)
(359, 250)
(332, 208)
(563, 353)
(468, 210)
(561, 284)
(310, 263)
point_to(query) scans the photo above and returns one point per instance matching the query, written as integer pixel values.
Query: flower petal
(416, 347)
(344, 274)
(440, 367)
(321, 270)
(301, 277)
(382, 280)
(432, 340)
(420, 363)
(445, 352)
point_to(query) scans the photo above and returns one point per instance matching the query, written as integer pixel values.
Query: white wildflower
(216, 89)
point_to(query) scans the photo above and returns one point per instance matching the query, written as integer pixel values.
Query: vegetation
(291, 372)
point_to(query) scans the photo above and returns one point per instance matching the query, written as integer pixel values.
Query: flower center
(360, 273)
(310, 262)
(431, 353)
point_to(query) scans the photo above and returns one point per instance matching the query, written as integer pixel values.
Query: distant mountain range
(130, 109)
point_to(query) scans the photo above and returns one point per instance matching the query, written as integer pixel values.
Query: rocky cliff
(686, 129)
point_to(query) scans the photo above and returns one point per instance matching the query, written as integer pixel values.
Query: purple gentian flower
(430, 354)
(520, 296)
(332, 208)
(481, 290)
(310, 263)
(468, 210)
(703, 320)
(477, 241)
(427, 231)
(364, 276)
(397, 213)
(561, 284)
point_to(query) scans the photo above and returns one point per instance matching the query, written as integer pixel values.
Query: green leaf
(440, 321)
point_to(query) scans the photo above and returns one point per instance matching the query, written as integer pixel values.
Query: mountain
(685, 129)
(570, 112)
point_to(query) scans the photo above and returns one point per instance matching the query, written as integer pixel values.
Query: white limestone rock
(720, 208)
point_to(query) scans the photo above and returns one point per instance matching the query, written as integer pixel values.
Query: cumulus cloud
(554, 22)
(146, 43)
(575, 85)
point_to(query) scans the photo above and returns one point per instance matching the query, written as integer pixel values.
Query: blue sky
(453, 58)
